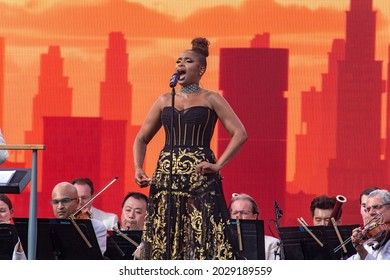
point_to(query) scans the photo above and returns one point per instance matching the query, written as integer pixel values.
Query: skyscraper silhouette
(2, 71)
(116, 97)
(84, 147)
(358, 162)
(54, 98)
(316, 142)
(115, 90)
(253, 80)
(387, 142)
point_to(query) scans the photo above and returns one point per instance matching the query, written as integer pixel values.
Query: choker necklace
(190, 89)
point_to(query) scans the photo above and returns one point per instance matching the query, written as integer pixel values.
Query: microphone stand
(169, 202)
(279, 214)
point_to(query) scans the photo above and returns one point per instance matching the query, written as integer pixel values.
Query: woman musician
(6, 214)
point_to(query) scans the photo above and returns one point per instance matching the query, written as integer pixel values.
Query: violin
(374, 232)
(83, 214)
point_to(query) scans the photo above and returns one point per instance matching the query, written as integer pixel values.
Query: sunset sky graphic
(156, 32)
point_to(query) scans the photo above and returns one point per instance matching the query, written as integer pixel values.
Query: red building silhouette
(358, 162)
(116, 97)
(318, 127)
(2, 71)
(54, 98)
(84, 147)
(387, 142)
(253, 80)
(98, 148)
(316, 142)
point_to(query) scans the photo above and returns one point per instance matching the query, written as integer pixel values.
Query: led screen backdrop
(307, 78)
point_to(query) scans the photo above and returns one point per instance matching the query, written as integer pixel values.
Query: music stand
(18, 182)
(252, 236)
(58, 239)
(118, 248)
(8, 240)
(345, 232)
(298, 244)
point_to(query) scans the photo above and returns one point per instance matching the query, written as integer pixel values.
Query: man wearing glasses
(65, 202)
(243, 206)
(378, 211)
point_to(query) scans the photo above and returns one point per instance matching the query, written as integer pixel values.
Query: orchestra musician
(65, 202)
(245, 207)
(321, 208)
(6, 214)
(85, 190)
(133, 211)
(375, 235)
(363, 201)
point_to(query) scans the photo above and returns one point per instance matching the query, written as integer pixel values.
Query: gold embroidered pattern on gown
(199, 216)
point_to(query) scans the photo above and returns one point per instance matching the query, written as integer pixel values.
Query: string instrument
(83, 213)
(373, 231)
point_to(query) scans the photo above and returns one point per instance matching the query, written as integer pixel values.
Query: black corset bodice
(193, 127)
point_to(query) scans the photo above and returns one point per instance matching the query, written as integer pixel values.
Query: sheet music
(6, 176)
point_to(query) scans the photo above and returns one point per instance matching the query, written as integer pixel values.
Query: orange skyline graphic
(153, 40)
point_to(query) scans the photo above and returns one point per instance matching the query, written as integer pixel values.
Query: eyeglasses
(63, 201)
(241, 213)
(375, 207)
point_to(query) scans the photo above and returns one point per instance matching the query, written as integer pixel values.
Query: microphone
(174, 80)
(278, 214)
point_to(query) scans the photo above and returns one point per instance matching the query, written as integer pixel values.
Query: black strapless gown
(199, 216)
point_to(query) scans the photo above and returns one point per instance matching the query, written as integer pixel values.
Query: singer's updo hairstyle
(201, 47)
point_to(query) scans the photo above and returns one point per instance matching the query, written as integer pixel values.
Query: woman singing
(198, 213)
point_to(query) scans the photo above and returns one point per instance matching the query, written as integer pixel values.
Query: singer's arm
(148, 130)
(233, 126)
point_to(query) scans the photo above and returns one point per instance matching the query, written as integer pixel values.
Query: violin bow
(336, 229)
(72, 216)
(95, 196)
(346, 241)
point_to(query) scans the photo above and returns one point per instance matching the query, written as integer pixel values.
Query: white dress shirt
(101, 234)
(272, 248)
(18, 255)
(383, 253)
(109, 220)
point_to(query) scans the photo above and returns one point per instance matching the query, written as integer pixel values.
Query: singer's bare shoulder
(215, 99)
(163, 100)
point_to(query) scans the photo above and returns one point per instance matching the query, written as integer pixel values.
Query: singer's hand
(206, 167)
(141, 179)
